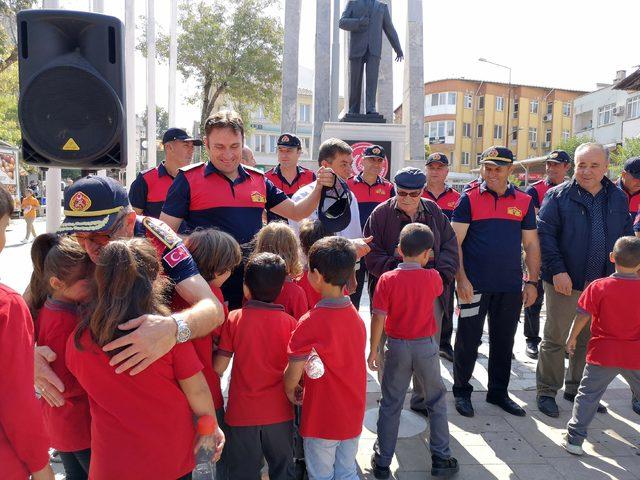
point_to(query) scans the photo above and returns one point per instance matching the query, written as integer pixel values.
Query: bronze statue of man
(366, 20)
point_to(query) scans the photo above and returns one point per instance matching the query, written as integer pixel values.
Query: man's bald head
(592, 149)
(247, 157)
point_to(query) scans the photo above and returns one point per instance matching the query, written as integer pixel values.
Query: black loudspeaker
(72, 89)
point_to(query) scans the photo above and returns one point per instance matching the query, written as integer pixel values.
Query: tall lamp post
(508, 95)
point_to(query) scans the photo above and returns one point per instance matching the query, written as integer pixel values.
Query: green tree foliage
(8, 44)
(630, 148)
(233, 50)
(569, 145)
(9, 127)
(162, 120)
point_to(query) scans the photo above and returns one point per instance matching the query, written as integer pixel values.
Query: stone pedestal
(376, 133)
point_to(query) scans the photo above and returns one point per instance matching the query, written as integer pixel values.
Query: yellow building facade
(464, 117)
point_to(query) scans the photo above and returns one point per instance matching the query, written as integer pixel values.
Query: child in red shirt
(279, 238)
(310, 232)
(614, 346)
(60, 270)
(334, 403)
(403, 306)
(23, 441)
(259, 417)
(141, 426)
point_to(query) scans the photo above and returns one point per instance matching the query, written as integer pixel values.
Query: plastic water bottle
(205, 467)
(314, 368)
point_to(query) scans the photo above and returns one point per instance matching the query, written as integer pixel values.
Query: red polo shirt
(446, 200)
(615, 323)
(370, 196)
(205, 346)
(24, 446)
(149, 190)
(405, 296)
(257, 336)
(333, 405)
(69, 426)
(538, 190)
(293, 298)
(142, 425)
(313, 297)
(634, 200)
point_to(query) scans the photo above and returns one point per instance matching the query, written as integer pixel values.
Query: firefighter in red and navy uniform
(288, 176)
(629, 183)
(370, 190)
(557, 165)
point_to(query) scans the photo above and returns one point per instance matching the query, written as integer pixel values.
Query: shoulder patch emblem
(257, 197)
(380, 191)
(193, 166)
(161, 231)
(514, 211)
(177, 255)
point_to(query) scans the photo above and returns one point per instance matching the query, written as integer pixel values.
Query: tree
(233, 49)
(630, 148)
(570, 144)
(9, 127)
(8, 40)
(162, 120)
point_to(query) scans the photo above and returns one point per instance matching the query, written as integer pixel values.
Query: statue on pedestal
(366, 20)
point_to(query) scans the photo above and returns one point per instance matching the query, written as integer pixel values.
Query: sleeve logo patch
(380, 191)
(161, 231)
(177, 255)
(514, 211)
(80, 202)
(451, 204)
(257, 197)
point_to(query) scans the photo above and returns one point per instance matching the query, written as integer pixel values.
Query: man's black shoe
(464, 407)
(570, 397)
(421, 411)
(508, 406)
(532, 350)
(635, 404)
(548, 406)
(443, 467)
(378, 471)
(446, 352)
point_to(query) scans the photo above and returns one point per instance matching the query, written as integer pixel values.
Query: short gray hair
(585, 147)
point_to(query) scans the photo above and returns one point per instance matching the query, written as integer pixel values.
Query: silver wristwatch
(184, 332)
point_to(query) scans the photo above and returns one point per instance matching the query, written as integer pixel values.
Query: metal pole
(97, 6)
(129, 63)
(508, 143)
(173, 57)
(53, 176)
(151, 84)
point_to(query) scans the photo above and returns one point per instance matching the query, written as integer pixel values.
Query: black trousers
(76, 464)
(503, 310)
(532, 318)
(447, 318)
(246, 446)
(355, 86)
(361, 277)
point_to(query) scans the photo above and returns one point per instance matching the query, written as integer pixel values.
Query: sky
(568, 44)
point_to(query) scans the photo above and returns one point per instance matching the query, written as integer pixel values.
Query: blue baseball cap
(374, 151)
(410, 178)
(334, 209)
(559, 156)
(500, 156)
(289, 140)
(437, 157)
(92, 204)
(179, 134)
(632, 167)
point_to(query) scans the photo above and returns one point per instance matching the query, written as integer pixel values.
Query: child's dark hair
(214, 252)
(626, 252)
(6, 202)
(415, 238)
(334, 258)
(128, 284)
(54, 256)
(310, 232)
(264, 276)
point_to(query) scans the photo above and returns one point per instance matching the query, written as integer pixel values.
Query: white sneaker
(570, 447)
(24, 240)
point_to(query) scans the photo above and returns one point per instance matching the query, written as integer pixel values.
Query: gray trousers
(595, 381)
(550, 372)
(406, 358)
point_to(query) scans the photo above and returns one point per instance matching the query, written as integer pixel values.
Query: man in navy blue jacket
(578, 223)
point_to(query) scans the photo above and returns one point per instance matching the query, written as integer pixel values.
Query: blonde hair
(279, 238)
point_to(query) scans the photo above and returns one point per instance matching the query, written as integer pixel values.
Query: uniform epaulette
(192, 166)
(161, 231)
(536, 183)
(144, 172)
(253, 169)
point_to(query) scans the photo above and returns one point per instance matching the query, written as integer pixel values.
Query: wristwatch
(184, 332)
(531, 282)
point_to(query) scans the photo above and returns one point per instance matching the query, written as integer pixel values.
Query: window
(479, 131)
(516, 108)
(533, 106)
(533, 134)
(497, 131)
(499, 104)
(565, 135)
(259, 113)
(481, 103)
(468, 100)
(304, 113)
(451, 98)
(547, 135)
(466, 157)
(633, 107)
(514, 133)
(434, 100)
(260, 143)
(443, 98)
(605, 114)
(478, 158)
(305, 144)
(451, 128)
(439, 130)
(273, 143)
(466, 130)
(566, 109)
(549, 108)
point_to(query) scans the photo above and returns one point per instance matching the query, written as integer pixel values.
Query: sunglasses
(102, 238)
(412, 194)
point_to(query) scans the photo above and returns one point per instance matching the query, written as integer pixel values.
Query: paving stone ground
(493, 444)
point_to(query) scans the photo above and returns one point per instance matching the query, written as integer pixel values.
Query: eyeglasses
(102, 238)
(412, 194)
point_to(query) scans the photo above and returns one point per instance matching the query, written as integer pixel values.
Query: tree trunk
(208, 104)
(10, 60)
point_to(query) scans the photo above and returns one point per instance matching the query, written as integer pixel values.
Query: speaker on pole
(72, 89)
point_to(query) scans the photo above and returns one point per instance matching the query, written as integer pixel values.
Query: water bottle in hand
(205, 467)
(314, 368)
